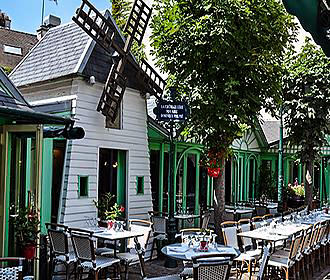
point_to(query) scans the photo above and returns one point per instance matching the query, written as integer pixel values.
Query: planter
(29, 251)
(213, 172)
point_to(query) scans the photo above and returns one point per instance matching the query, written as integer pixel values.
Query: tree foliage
(307, 103)
(225, 57)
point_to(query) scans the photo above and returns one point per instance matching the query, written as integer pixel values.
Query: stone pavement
(157, 268)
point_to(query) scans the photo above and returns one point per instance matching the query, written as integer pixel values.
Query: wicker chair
(205, 219)
(140, 252)
(132, 257)
(263, 263)
(229, 231)
(159, 230)
(58, 236)
(212, 267)
(287, 263)
(11, 272)
(83, 244)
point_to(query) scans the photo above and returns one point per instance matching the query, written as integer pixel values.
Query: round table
(182, 252)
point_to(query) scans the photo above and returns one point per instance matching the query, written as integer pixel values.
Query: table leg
(115, 249)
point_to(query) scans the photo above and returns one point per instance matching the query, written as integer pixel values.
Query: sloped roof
(271, 130)
(57, 54)
(66, 50)
(13, 38)
(13, 106)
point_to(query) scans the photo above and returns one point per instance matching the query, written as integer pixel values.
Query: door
(21, 178)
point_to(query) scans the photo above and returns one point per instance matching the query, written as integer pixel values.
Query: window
(12, 50)
(83, 186)
(140, 185)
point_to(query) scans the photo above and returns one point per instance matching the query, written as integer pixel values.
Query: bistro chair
(83, 245)
(261, 210)
(325, 246)
(318, 243)
(309, 251)
(159, 226)
(230, 237)
(268, 218)
(141, 252)
(11, 268)
(205, 220)
(244, 225)
(130, 257)
(285, 264)
(58, 237)
(263, 263)
(210, 267)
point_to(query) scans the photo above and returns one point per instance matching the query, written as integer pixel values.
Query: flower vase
(110, 224)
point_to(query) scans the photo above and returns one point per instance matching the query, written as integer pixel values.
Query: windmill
(103, 31)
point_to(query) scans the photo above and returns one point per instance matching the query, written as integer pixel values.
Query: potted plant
(26, 228)
(112, 214)
(108, 209)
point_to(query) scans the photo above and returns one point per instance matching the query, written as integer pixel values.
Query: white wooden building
(56, 77)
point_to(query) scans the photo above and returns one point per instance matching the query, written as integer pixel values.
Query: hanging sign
(171, 111)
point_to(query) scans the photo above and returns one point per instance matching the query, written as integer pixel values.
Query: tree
(120, 12)
(307, 103)
(225, 59)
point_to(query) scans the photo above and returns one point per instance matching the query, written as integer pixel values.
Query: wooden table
(182, 252)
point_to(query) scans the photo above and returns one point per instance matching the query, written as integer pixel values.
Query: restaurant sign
(171, 111)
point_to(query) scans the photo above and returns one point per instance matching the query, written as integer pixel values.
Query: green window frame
(140, 185)
(83, 186)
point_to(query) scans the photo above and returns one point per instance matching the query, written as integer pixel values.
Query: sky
(26, 14)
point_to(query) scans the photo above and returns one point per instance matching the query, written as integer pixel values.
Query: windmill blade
(97, 26)
(138, 21)
(112, 94)
(152, 81)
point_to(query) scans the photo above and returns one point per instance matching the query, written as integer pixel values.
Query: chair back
(295, 244)
(58, 238)
(306, 239)
(322, 232)
(229, 232)
(143, 227)
(268, 218)
(12, 268)
(210, 267)
(263, 263)
(83, 245)
(205, 220)
(314, 235)
(261, 210)
(244, 225)
(257, 222)
(159, 224)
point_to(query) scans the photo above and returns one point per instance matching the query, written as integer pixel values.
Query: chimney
(4, 20)
(49, 22)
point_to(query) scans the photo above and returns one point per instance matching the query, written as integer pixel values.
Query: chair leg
(126, 270)
(152, 248)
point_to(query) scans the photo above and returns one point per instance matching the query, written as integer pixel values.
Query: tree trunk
(219, 201)
(309, 185)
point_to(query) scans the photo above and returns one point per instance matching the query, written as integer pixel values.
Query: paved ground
(157, 268)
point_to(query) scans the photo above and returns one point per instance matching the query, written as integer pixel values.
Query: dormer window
(12, 50)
